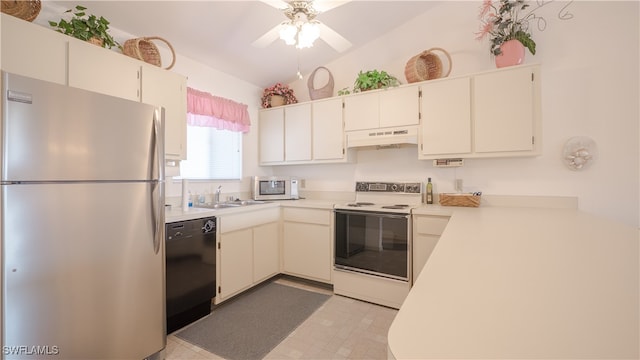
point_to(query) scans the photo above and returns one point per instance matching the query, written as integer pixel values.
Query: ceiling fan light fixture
(308, 33)
(288, 33)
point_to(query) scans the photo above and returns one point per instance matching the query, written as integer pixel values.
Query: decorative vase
(276, 100)
(512, 54)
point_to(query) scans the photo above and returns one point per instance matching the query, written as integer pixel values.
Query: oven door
(375, 243)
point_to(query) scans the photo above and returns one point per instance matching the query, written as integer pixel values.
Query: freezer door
(81, 275)
(52, 132)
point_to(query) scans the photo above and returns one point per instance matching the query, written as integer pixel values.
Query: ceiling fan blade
(269, 37)
(278, 4)
(326, 5)
(334, 39)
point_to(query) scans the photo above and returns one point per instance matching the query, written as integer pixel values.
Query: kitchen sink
(229, 204)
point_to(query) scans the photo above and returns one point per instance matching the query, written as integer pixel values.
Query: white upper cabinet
(328, 132)
(169, 90)
(493, 114)
(271, 136)
(306, 133)
(375, 109)
(399, 106)
(361, 112)
(446, 117)
(504, 110)
(33, 51)
(297, 132)
(107, 72)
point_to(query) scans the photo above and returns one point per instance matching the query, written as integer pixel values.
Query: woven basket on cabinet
(145, 50)
(426, 66)
(24, 9)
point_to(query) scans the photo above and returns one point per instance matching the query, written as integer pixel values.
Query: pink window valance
(204, 109)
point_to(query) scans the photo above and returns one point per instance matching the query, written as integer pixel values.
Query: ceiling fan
(301, 28)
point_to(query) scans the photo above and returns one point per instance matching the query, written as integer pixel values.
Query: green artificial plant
(85, 27)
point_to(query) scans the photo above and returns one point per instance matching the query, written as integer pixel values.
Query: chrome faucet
(217, 197)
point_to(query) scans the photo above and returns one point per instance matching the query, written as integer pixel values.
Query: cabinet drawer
(247, 219)
(433, 225)
(311, 216)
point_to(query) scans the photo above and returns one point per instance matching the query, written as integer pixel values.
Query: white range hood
(381, 138)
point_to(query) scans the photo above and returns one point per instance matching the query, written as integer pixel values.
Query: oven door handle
(373, 213)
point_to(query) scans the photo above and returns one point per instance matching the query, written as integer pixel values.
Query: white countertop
(524, 283)
(175, 214)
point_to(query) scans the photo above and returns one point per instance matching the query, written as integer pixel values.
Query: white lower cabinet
(248, 250)
(308, 243)
(266, 251)
(236, 262)
(426, 233)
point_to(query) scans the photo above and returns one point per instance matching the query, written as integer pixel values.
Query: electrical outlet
(303, 183)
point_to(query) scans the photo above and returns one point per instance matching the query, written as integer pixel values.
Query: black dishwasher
(190, 270)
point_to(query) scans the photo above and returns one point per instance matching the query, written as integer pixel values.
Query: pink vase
(512, 54)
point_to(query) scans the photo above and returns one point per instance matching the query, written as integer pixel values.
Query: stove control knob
(394, 187)
(412, 188)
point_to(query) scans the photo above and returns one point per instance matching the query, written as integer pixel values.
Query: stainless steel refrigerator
(81, 223)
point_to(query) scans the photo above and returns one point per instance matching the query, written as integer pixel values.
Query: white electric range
(373, 243)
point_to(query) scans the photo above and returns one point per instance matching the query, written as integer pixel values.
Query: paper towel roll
(185, 194)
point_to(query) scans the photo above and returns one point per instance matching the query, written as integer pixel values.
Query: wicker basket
(426, 66)
(24, 9)
(145, 50)
(467, 200)
(325, 91)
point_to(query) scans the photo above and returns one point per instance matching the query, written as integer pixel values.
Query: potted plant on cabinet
(371, 80)
(86, 27)
(508, 30)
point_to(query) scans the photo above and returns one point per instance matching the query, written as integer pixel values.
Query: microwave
(274, 188)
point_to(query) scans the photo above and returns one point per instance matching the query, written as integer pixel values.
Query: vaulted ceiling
(220, 34)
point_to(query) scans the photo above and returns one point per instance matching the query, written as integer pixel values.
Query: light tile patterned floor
(342, 328)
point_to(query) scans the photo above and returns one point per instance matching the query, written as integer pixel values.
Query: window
(212, 154)
(214, 137)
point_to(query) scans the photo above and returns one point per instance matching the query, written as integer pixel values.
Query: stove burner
(360, 204)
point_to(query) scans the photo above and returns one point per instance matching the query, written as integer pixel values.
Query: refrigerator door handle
(158, 207)
(158, 215)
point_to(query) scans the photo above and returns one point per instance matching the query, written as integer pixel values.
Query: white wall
(590, 87)
(224, 85)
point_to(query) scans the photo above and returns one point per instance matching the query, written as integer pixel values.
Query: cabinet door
(361, 112)
(236, 262)
(426, 233)
(504, 111)
(297, 132)
(266, 251)
(446, 117)
(423, 245)
(107, 72)
(328, 132)
(307, 250)
(169, 90)
(399, 106)
(37, 52)
(271, 135)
